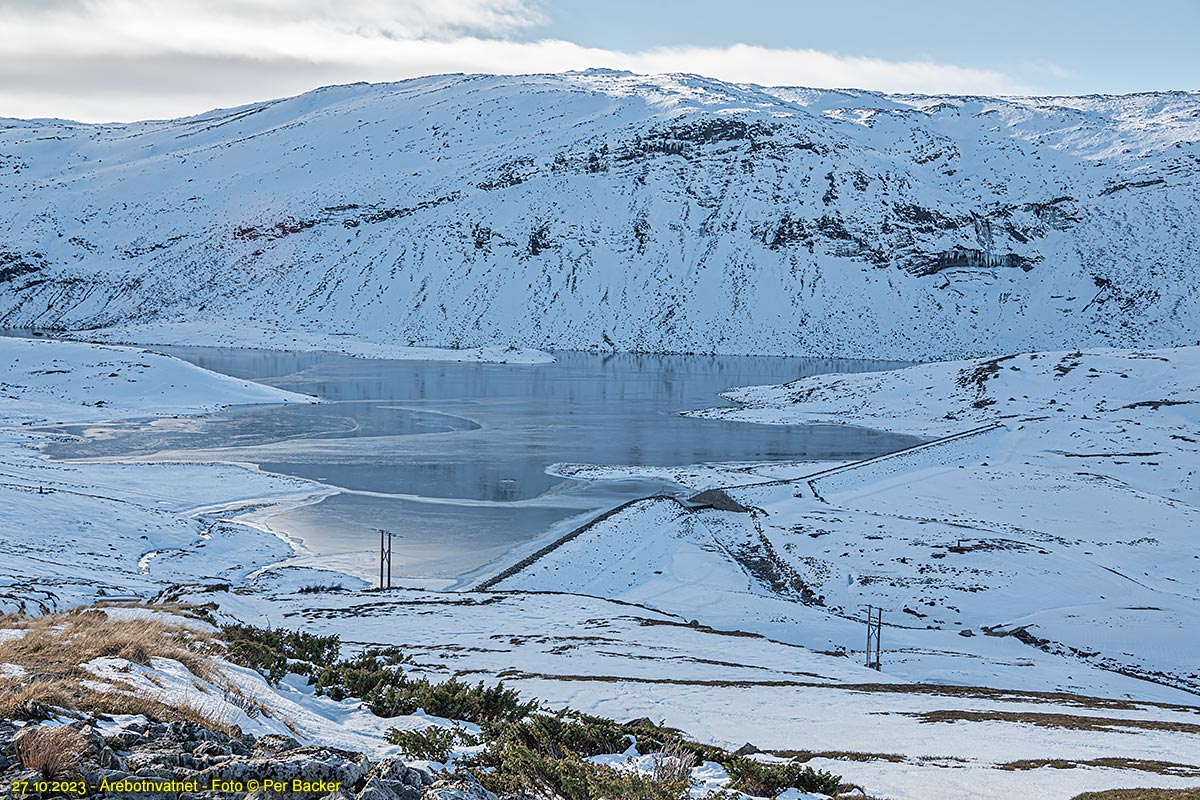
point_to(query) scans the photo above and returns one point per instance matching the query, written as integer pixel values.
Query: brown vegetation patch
(804, 756)
(1142, 765)
(1141, 794)
(53, 648)
(1069, 721)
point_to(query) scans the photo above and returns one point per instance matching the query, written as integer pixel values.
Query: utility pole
(385, 558)
(874, 629)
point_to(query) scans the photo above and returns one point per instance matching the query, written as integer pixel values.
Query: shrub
(491, 706)
(321, 588)
(276, 651)
(432, 743)
(519, 769)
(767, 780)
(674, 760)
(376, 677)
(362, 675)
(568, 733)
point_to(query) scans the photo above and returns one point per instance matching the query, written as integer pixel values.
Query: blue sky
(1056, 46)
(102, 60)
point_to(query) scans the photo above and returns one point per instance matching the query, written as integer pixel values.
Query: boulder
(457, 788)
(394, 770)
(306, 764)
(274, 744)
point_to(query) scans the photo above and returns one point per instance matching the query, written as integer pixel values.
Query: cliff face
(618, 211)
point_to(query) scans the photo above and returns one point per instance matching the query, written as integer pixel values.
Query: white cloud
(125, 59)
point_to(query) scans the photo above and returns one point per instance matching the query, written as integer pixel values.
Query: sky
(107, 60)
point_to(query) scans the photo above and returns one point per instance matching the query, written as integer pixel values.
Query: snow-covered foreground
(628, 661)
(1074, 573)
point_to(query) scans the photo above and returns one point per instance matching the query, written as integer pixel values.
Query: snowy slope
(55, 381)
(1057, 551)
(627, 661)
(612, 210)
(72, 533)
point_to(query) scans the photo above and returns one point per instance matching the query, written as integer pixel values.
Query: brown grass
(804, 756)
(1142, 765)
(54, 646)
(60, 642)
(1069, 721)
(56, 752)
(1141, 794)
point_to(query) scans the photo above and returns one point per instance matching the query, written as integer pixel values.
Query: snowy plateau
(1036, 554)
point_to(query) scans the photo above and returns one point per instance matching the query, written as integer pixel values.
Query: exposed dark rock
(185, 751)
(274, 744)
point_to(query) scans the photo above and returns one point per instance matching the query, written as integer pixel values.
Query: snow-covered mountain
(613, 210)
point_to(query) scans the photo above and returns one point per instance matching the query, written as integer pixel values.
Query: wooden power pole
(874, 629)
(385, 559)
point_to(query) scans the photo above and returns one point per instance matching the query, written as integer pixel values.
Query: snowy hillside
(1055, 550)
(71, 533)
(54, 381)
(618, 211)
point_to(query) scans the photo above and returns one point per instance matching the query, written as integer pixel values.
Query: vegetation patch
(1070, 721)
(488, 706)
(53, 648)
(431, 744)
(277, 651)
(1143, 765)
(377, 677)
(520, 770)
(1141, 794)
(767, 780)
(361, 675)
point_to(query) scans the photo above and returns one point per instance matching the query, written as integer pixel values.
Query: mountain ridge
(601, 210)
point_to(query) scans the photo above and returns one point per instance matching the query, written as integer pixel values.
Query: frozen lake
(453, 456)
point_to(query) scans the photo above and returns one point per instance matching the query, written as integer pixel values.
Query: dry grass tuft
(56, 752)
(673, 762)
(54, 647)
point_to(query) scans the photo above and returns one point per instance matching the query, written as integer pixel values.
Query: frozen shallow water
(453, 456)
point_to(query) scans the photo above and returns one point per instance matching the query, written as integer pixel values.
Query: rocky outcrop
(186, 761)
